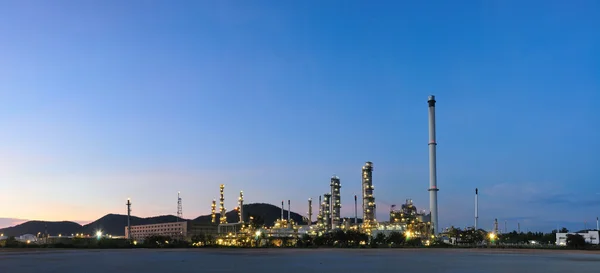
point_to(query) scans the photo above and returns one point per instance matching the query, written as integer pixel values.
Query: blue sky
(142, 99)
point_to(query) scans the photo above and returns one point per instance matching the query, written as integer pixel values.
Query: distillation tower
(213, 211)
(222, 205)
(309, 212)
(369, 206)
(320, 215)
(241, 207)
(335, 202)
(327, 211)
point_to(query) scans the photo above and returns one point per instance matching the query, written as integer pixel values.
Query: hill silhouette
(267, 212)
(114, 224)
(33, 227)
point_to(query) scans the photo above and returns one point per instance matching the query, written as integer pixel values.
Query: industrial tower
(327, 211)
(289, 211)
(179, 207)
(335, 202)
(213, 211)
(309, 212)
(320, 215)
(222, 205)
(476, 207)
(355, 211)
(367, 195)
(128, 218)
(433, 189)
(241, 205)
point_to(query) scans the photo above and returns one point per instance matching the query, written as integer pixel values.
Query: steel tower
(335, 202)
(367, 194)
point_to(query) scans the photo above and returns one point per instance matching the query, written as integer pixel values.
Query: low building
(176, 230)
(173, 230)
(590, 236)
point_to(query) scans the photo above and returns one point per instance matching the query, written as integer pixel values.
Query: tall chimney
(433, 189)
(476, 207)
(355, 211)
(309, 212)
(289, 211)
(597, 224)
(128, 220)
(281, 210)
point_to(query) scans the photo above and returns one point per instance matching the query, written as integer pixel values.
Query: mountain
(33, 227)
(267, 212)
(114, 224)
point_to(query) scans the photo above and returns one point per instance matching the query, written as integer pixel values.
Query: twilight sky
(104, 100)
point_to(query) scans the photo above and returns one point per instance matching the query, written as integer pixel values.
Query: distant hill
(114, 224)
(33, 227)
(269, 213)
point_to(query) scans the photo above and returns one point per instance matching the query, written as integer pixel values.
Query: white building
(174, 229)
(591, 237)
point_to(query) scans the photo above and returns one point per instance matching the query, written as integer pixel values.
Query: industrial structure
(222, 210)
(369, 206)
(128, 234)
(320, 215)
(405, 219)
(433, 189)
(335, 202)
(179, 207)
(241, 207)
(408, 218)
(213, 212)
(476, 207)
(309, 212)
(327, 211)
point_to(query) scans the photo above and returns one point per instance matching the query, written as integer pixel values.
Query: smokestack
(433, 189)
(476, 207)
(597, 224)
(289, 211)
(309, 212)
(281, 210)
(355, 211)
(518, 227)
(128, 220)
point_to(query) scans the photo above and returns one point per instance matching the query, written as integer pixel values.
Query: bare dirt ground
(300, 260)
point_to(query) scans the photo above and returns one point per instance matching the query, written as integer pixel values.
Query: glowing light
(99, 234)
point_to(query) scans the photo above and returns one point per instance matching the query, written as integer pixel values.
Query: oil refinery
(406, 219)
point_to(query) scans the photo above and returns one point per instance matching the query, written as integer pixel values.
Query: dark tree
(396, 238)
(575, 241)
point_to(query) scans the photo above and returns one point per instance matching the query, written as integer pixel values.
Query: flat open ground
(298, 260)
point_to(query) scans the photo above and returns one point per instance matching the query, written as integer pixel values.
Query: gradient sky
(104, 100)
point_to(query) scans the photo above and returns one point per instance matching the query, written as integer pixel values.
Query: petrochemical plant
(406, 219)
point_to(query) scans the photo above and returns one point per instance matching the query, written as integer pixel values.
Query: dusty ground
(299, 260)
